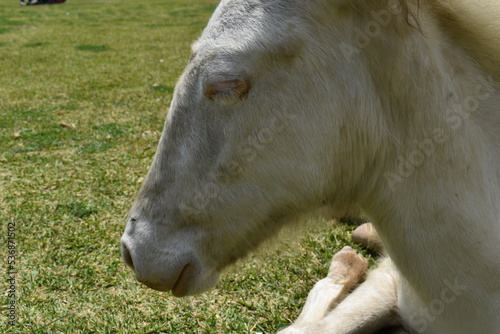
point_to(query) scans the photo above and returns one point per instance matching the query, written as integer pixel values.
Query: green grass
(109, 68)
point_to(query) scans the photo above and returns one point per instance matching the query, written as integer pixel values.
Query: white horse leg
(347, 270)
(370, 307)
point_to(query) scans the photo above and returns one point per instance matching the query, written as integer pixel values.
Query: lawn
(84, 90)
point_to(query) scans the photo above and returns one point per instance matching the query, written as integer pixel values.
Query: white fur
(350, 104)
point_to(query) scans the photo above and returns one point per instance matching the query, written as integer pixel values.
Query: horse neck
(474, 24)
(429, 87)
(440, 185)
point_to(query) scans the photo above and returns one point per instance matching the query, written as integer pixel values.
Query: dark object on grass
(40, 2)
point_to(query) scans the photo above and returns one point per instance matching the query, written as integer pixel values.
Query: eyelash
(227, 90)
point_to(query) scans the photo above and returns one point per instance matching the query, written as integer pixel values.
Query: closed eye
(227, 90)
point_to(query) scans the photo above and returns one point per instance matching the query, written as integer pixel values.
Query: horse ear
(227, 90)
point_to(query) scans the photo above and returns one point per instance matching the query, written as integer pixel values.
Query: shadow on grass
(92, 48)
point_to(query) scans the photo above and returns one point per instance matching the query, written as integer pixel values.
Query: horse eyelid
(227, 88)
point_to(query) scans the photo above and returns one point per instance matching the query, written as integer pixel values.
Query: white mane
(476, 25)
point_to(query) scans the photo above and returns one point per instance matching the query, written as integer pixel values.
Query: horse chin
(192, 280)
(192, 283)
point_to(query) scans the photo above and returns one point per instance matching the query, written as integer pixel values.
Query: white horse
(285, 106)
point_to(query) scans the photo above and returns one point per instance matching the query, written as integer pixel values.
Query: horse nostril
(127, 258)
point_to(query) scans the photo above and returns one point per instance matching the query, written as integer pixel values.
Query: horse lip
(161, 285)
(127, 257)
(155, 286)
(178, 281)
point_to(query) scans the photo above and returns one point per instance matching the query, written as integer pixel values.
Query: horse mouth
(184, 275)
(181, 286)
(156, 286)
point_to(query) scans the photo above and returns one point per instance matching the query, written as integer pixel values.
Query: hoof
(367, 236)
(348, 267)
